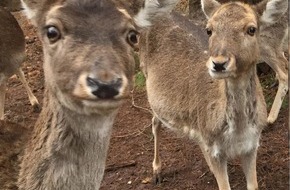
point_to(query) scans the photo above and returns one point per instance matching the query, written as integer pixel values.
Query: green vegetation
(139, 81)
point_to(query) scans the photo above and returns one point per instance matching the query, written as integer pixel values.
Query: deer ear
(270, 11)
(209, 7)
(153, 9)
(30, 9)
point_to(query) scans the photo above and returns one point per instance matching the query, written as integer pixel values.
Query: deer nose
(104, 90)
(219, 66)
(220, 62)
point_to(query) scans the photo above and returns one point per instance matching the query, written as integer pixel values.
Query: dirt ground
(131, 149)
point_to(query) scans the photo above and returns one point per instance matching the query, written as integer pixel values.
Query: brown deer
(12, 55)
(273, 44)
(213, 96)
(88, 66)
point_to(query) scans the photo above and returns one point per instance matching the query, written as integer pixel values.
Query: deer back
(12, 43)
(172, 54)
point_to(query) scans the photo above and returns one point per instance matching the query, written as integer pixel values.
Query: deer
(12, 55)
(88, 67)
(203, 83)
(273, 44)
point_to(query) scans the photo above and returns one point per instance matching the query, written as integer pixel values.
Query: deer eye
(53, 34)
(251, 31)
(209, 32)
(133, 37)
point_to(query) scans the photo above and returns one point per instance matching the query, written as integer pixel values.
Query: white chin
(102, 104)
(219, 75)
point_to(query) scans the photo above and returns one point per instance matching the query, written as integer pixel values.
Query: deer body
(273, 44)
(226, 117)
(89, 65)
(12, 55)
(212, 96)
(66, 156)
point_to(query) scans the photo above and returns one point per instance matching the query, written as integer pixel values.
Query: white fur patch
(124, 12)
(215, 151)
(186, 130)
(207, 6)
(28, 12)
(202, 8)
(153, 9)
(271, 10)
(123, 88)
(195, 134)
(238, 144)
(82, 89)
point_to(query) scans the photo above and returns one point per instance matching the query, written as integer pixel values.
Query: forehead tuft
(235, 11)
(86, 9)
(96, 4)
(101, 23)
(92, 5)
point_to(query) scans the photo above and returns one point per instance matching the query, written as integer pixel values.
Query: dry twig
(113, 167)
(203, 174)
(139, 107)
(136, 133)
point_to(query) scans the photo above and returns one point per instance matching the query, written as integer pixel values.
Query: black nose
(219, 66)
(104, 90)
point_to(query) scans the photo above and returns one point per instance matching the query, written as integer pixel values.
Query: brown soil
(131, 150)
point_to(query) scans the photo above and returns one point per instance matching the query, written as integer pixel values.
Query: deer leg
(2, 98)
(279, 65)
(218, 166)
(206, 156)
(156, 125)
(249, 168)
(33, 100)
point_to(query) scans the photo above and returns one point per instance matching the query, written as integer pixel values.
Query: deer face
(88, 49)
(233, 30)
(233, 41)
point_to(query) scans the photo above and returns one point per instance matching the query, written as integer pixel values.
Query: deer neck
(241, 100)
(78, 147)
(85, 126)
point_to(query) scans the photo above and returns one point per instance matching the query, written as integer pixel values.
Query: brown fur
(12, 138)
(12, 54)
(273, 44)
(88, 72)
(225, 113)
(68, 146)
(273, 37)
